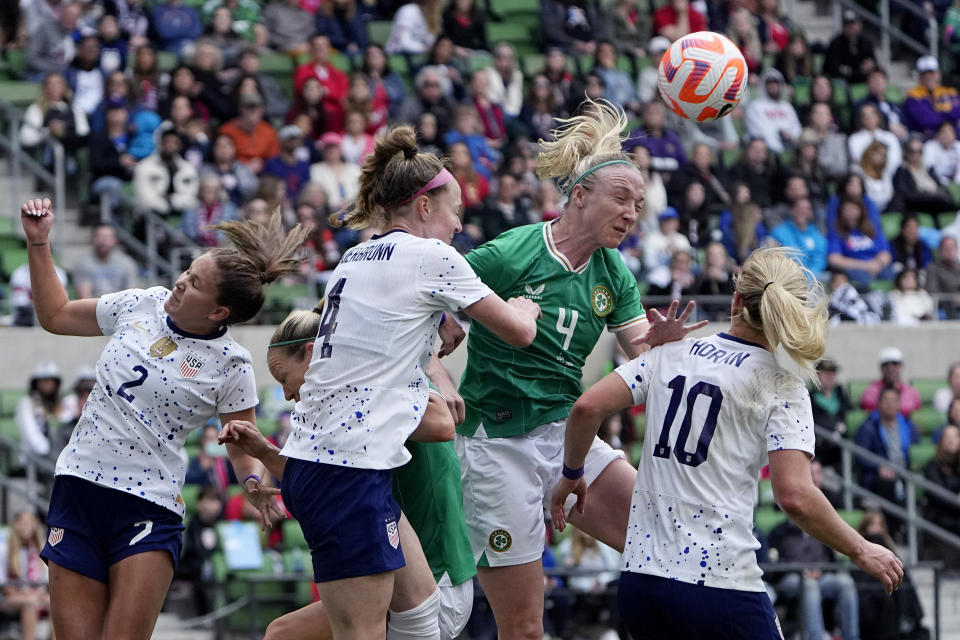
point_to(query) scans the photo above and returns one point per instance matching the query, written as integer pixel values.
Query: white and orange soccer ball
(702, 76)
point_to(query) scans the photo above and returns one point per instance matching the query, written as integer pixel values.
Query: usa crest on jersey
(190, 366)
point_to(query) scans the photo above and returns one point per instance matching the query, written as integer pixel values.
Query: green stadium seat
(479, 60)
(8, 429)
(189, 493)
(841, 92)
(894, 94)
(514, 7)
(857, 388)
(166, 60)
(13, 66)
(891, 225)
(341, 62)
(855, 419)
(624, 64)
(851, 516)
(928, 420)
(766, 518)
(533, 64)
(512, 32)
(920, 454)
(925, 220)
(765, 493)
(293, 535)
(881, 285)
(9, 399)
(801, 94)
(6, 225)
(378, 31)
(927, 387)
(636, 453)
(20, 94)
(276, 64)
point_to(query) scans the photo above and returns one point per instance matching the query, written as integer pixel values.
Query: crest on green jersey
(601, 300)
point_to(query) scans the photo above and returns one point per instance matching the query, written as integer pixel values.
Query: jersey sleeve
(627, 311)
(239, 390)
(636, 374)
(447, 281)
(790, 425)
(490, 265)
(112, 307)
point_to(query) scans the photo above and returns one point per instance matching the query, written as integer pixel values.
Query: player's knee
(423, 621)
(524, 628)
(279, 629)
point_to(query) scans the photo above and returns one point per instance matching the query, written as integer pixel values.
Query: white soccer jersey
(715, 407)
(365, 391)
(155, 384)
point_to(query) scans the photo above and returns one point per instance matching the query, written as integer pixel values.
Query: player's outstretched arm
(56, 313)
(249, 469)
(514, 321)
(437, 423)
(806, 505)
(659, 329)
(599, 401)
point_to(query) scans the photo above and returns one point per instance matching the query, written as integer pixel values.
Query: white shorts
(507, 483)
(456, 603)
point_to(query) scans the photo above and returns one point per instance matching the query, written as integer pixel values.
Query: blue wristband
(254, 476)
(572, 474)
(443, 318)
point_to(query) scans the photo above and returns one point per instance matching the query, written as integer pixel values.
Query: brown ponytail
(260, 255)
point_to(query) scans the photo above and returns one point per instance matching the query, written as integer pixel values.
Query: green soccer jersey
(428, 490)
(511, 390)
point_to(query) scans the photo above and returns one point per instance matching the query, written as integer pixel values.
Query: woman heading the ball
(518, 398)
(719, 408)
(170, 365)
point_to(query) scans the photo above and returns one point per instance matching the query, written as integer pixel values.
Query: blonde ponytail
(300, 326)
(583, 142)
(783, 300)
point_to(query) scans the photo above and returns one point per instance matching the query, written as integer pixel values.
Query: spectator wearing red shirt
(254, 138)
(677, 19)
(335, 82)
(891, 366)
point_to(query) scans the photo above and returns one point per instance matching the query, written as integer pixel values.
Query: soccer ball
(702, 76)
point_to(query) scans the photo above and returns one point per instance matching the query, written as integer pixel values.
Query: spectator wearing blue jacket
(175, 25)
(340, 21)
(466, 130)
(800, 233)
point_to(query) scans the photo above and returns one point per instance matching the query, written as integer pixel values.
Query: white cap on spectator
(290, 131)
(658, 44)
(849, 15)
(45, 369)
(927, 63)
(890, 354)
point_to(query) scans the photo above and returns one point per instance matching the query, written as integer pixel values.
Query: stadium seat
(298, 561)
(479, 60)
(189, 493)
(766, 518)
(855, 419)
(920, 454)
(13, 66)
(927, 387)
(166, 60)
(293, 535)
(858, 92)
(881, 285)
(20, 94)
(857, 388)
(765, 493)
(891, 225)
(510, 8)
(512, 32)
(8, 429)
(9, 399)
(928, 420)
(378, 31)
(926, 220)
(851, 516)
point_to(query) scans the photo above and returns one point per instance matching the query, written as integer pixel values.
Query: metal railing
(888, 31)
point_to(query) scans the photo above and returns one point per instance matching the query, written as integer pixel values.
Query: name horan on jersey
(718, 356)
(372, 252)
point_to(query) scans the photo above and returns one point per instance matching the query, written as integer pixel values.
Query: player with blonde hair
(719, 408)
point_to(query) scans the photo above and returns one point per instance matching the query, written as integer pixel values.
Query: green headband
(286, 342)
(592, 169)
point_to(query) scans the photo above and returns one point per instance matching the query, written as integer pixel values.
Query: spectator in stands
(845, 304)
(546, 204)
(676, 19)
(145, 77)
(505, 81)
(716, 279)
(702, 169)
(598, 563)
(656, 192)
(340, 21)
(877, 172)
(667, 155)
(26, 538)
(573, 25)
(629, 27)
(54, 114)
(538, 115)
(192, 130)
(334, 81)
(647, 80)
(795, 62)
(453, 70)
(742, 29)
(254, 138)
(857, 246)
(660, 245)
(505, 209)
(870, 131)
(618, 86)
(800, 232)
(258, 210)
(807, 166)
(943, 276)
(105, 268)
(164, 182)
(909, 303)
(851, 188)
(110, 159)
(943, 398)
(221, 33)
(211, 467)
(338, 178)
(428, 138)
(929, 104)
(774, 27)
(877, 96)
(466, 25)
(830, 403)
(214, 207)
(557, 71)
(681, 281)
(357, 143)
(891, 367)
(467, 129)
(207, 65)
(386, 86)
(21, 295)
(236, 179)
(593, 89)
(415, 27)
(39, 413)
(182, 82)
(245, 15)
(175, 25)
(909, 251)
(308, 104)
(360, 99)
(491, 119)
(771, 116)
(813, 587)
(84, 76)
(916, 186)
(200, 541)
(287, 165)
(134, 22)
(50, 47)
(942, 154)
(831, 142)
(694, 215)
(474, 187)
(289, 27)
(759, 170)
(13, 32)
(73, 405)
(795, 187)
(117, 92)
(428, 97)
(741, 228)
(850, 54)
(821, 90)
(276, 103)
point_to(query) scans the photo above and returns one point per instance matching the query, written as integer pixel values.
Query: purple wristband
(254, 476)
(443, 318)
(572, 474)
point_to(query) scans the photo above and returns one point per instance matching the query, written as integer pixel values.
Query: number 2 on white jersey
(147, 528)
(567, 331)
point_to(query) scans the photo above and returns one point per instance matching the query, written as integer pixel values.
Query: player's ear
(219, 315)
(309, 349)
(424, 205)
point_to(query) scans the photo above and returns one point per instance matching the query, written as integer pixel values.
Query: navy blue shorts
(348, 517)
(94, 527)
(656, 608)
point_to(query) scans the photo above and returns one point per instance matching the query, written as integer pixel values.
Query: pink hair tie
(438, 180)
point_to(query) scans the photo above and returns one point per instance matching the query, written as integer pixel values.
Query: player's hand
(670, 328)
(36, 216)
(458, 408)
(264, 499)
(246, 436)
(558, 510)
(881, 563)
(451, 335)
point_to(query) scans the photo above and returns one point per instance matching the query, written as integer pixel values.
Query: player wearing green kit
(517, 399)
